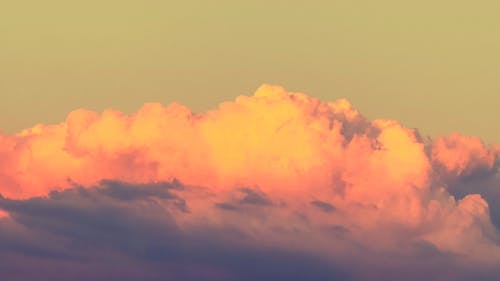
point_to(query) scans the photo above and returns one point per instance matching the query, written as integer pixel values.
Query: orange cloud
(290, 150)
(460, 155)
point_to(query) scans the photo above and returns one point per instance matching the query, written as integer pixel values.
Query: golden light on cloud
(298, 154)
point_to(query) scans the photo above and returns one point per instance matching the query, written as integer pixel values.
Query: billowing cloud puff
(462, 156)
(278, 179)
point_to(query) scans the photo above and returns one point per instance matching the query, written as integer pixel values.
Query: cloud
(460, 156)
(104, 224)
(97, 232)
(270, 186)
(324, 206)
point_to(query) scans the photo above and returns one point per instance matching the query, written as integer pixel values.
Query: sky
(433, 65)
(249, 141)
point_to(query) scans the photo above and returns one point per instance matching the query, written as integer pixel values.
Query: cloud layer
(273, 186)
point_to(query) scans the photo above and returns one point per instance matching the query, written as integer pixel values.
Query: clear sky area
(432, 65)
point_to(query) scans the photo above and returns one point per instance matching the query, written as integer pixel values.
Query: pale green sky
(434, 65)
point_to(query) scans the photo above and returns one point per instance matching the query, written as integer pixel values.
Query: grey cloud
(121, 231)
(323, 206)
(254, 197)
(226, 206)
(118, 224)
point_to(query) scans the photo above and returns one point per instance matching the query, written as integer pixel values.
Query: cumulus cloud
(266, 187)
(460, 156)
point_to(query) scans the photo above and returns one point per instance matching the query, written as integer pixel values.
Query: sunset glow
(276, 167)
(249, 140)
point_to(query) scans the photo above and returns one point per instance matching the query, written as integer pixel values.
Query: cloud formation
(266, 187)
